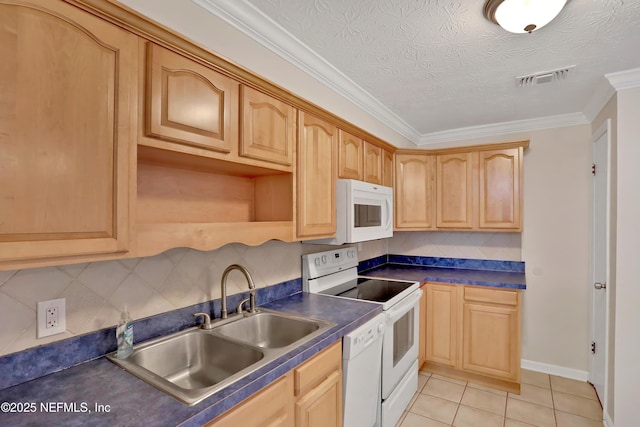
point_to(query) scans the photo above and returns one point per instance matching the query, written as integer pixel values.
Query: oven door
(400, 345)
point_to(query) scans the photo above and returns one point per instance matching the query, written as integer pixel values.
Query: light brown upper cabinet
(316, 201)
(414, 189)
(372, 163)
(268, 130)
(387, 168)
(455, 190)
(188, 103)
(500, 183)
(476, 188)
(68, 81)
(350, 156)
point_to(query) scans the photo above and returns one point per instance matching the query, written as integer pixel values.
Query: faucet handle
(206, 324)
(239, 309)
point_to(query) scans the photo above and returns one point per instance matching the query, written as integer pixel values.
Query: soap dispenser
(124, 336)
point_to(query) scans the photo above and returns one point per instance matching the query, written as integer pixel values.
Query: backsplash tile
(97, 292)
(42, 360)
(473, 245)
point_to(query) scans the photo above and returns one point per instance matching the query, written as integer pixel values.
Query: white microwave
(364, 211)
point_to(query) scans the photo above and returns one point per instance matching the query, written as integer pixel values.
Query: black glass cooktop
(377, 290)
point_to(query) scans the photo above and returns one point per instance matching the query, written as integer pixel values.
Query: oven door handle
(399, 310)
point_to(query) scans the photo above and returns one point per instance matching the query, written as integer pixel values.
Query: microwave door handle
(388, 204)
(403, 307)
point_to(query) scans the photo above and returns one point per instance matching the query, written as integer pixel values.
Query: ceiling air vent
(545, 76)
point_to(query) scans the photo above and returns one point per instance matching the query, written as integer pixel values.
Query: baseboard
(561, 371)
(607, 421)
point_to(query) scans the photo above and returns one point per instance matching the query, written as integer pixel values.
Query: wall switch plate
(51, 317)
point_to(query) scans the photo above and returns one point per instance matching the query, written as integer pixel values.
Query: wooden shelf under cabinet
(202, 203)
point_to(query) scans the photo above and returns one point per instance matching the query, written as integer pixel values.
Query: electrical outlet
(51, 317)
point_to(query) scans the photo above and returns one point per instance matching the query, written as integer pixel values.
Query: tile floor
(544, 401)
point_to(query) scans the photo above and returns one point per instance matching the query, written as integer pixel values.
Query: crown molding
(504, 128)
(252, 22)
(602, 93)
(627, 79)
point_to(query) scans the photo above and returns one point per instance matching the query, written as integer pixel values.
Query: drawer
(490, 295)
(318, 368)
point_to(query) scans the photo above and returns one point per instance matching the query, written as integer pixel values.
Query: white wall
(627, 306)
(556, 248)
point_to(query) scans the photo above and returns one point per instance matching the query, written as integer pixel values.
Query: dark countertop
(69, 397)
(497, 279)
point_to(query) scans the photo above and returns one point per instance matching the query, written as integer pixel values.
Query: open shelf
(203, 203)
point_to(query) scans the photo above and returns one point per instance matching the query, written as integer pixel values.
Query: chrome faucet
(223, 289)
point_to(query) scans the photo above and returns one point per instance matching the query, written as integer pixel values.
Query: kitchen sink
(193, 364)
(270, 330)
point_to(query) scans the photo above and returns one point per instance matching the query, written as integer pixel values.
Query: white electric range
(335, 273)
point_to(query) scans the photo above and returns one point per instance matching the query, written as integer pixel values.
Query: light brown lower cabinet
(474, 333)
(272, 406)
(307, 396)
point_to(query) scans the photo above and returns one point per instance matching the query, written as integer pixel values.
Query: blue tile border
(36, 362)
(372, 263)
(462, 263)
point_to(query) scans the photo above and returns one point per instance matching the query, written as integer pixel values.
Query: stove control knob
(324, 259)
(317, 262)
(351, 253)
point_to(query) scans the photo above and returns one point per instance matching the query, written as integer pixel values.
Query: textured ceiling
(438, 65)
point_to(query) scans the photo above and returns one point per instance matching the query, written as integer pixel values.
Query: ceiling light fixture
(522, 16)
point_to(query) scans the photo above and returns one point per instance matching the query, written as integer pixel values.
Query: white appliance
(361, 367)
(335, 273)
(364, 211)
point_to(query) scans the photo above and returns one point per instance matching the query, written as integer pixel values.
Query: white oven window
(403, 336)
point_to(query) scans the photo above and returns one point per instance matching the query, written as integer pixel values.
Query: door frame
(604, 129)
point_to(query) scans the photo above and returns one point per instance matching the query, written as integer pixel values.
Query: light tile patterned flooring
(544, 401)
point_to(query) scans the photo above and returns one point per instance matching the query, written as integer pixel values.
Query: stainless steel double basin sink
(193, 364)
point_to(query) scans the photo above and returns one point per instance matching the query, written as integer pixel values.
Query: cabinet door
(387, 168)
(68, 90)
(350, 156)
(271, 407)
(491, 340)
(268, 128)
(500, 197)
(454, 190)
(318, 142)
(414, 205)
(442, 324)
(189, 103)
(372, 163)
(321, 406)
